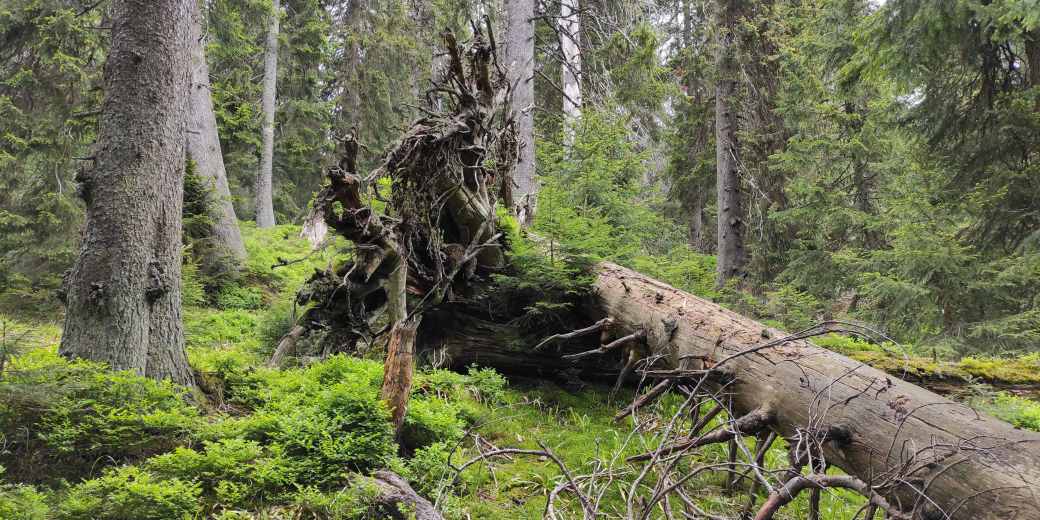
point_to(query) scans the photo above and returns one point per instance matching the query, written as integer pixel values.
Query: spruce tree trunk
(264, 178)
(520, 73)
(203, 147)
(732, 257)
(124, 295)
(696, 224)
(570, 43)
(1032, 48)
(696, 198)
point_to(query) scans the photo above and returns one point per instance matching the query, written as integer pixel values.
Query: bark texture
(398, 370)
(265, 177)
(922, 452)
(123, 295)
(395, 492)
(570, 48)
(731, 257)
(519, 46)
(203, 147)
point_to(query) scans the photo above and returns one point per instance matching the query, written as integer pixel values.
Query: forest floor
(77, 442)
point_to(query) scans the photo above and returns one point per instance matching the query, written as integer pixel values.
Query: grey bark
(123, 294)
(264, 178)
(907, 442)
(570, 43)
(696, 225)
(731, 256)
(520, 73)
(203, 147)
(394, 492)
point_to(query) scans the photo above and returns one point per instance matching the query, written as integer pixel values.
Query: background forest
(888, 155)
(883, 162)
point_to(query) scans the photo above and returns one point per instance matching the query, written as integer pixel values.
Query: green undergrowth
(293, 444)
(80, 442)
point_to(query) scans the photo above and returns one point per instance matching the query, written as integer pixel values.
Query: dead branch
(749, 424)
(792, 488)
(639, 335)
(646, 399)
(595, 327)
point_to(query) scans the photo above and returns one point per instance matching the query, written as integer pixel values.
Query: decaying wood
(926, 456)
(285, 346)
(397, 373)
(393, 492)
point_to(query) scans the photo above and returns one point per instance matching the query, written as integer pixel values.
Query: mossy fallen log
(930, 457)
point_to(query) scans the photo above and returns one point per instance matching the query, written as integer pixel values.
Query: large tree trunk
(203, 147)
(520, 74)
(265, 177)
(696, 198)
(570, 48)
(1032, 48)
(123, 295)
(731, 257)
(902, 439)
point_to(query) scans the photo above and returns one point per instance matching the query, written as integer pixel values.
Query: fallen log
(923, 453)
(393, 492)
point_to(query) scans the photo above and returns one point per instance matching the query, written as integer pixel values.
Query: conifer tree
(124, 295)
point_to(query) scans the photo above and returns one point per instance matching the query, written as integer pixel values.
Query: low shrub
(324, 420)
(131, 493)
(278, 246)
(220, 329)
(66, 418)
(231, 472)
(275, 322)
(429, 470)
(682, 268)
(234, 296)
(1019, 411)
(486, 385)
(22, 503)
(350, 503)
(429, 421)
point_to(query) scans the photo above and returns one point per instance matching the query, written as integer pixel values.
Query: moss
(1009, 370)
(1024, 369)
